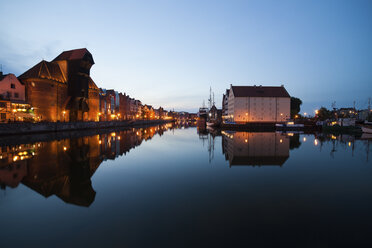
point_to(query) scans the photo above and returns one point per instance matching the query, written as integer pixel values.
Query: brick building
(62, 90)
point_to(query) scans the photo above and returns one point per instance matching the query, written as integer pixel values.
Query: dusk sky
(169, 53)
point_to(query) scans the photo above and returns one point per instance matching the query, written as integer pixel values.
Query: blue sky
(169, 53)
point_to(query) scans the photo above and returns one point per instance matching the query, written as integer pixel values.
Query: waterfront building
(124, 106)
(258, 104)
(62, 90)
(225, 103)
(13, 106)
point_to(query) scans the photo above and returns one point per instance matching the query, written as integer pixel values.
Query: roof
(74, 54)
(47, 70)
(259, 91)
(92, 84)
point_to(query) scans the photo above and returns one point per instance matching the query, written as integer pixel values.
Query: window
(8, 94)
(12, 86)
(16, 95)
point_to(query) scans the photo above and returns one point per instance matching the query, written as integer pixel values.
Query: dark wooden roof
(259, 91)
(46, 70)
(75, 54)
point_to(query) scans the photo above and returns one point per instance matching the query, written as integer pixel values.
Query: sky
(169, 53)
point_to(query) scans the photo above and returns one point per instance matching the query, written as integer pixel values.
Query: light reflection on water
(161, 186)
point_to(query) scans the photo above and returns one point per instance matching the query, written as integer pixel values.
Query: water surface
(181, 187)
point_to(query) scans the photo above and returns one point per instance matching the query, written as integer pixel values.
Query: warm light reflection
(304, 139)
(349, 143)
(316, 142)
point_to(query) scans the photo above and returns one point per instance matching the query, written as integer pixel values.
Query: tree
(295, 106)
(324, 114)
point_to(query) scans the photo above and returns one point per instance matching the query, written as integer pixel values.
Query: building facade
(258, 104)
(62, 90)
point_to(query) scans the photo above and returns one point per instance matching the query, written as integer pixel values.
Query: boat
(366, 129)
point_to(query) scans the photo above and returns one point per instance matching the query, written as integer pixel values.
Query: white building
(258, 104)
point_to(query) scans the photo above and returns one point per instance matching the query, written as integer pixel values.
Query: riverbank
(267, 127)
(47, 127)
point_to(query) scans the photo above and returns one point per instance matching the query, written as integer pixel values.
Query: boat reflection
(244, 148)
(64, 167)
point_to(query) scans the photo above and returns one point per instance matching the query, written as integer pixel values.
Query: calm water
(177, 187)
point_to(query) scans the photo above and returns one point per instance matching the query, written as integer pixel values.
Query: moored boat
(366, 129)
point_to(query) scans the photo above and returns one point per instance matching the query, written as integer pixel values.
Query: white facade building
(258, 104)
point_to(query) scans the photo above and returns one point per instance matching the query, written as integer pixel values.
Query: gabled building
(225, 103)
(62, 90)
(258, 104)
(13, 106)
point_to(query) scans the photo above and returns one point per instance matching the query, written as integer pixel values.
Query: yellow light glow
(15, 158)
(304, 139)
(246, 141)
(316, 111)
(349, 143)
(281, 141)
(22, 157)
(64, 148)
(315, 142)
(63, 112)
(333, 137)
(305, 113)
(290, 123)
(99, 142)
(113, 134)
(119, 138)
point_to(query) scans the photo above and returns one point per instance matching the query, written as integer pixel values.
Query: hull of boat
(367, 129)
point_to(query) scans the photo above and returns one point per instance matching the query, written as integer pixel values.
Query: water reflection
(64, 167)
(243, 148)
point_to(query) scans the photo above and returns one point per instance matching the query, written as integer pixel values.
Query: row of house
(62, 90)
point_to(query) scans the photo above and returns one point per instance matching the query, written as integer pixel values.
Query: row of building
(62, 90)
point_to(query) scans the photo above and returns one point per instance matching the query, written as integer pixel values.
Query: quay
(45, 127)
(267, 127)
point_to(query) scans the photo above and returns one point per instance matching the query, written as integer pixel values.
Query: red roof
(73, 54)
(259, 91)
(44, 69)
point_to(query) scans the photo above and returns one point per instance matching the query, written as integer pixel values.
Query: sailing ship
(214, 117)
